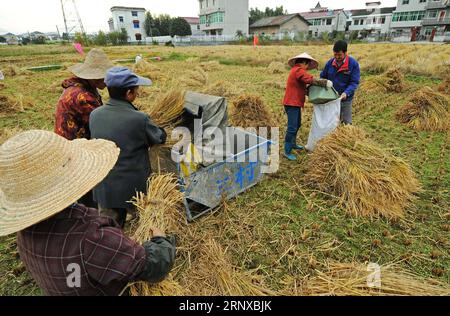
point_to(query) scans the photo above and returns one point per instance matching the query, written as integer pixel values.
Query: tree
(82, 39)
(164, 21)
(113, 38)
(2, 39)
(180, 27)
(26, 41)
(256, 14)
(39, 40)
(123, 37)
(149, 24)
(101, 39)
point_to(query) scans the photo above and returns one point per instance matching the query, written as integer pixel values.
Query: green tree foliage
(180, 27)
(82, 38)
(39, 40)
(256, 14)
(2, 39)
(101, 39)
(149, 24)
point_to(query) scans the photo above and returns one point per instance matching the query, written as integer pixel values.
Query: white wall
(128, 23)
(236, 15)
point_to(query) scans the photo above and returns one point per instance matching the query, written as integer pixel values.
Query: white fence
(191, 39)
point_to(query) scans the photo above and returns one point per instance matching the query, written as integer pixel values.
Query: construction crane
(72, 19)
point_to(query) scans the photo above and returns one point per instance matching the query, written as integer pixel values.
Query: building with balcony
(324, 20)
(130, 19)
(373, 20)
(224, 17)
(407, 19)
(436, 23)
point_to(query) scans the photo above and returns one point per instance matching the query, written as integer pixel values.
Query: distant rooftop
(364, 12)
(127, 8)
(276, 20)
(192, 20)
(321, 14)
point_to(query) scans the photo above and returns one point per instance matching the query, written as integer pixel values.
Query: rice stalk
(168, 108)
(249, 110)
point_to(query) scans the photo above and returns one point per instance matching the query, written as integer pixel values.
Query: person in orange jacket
(295, 97)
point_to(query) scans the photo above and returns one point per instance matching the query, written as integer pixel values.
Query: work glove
(320, 82)
(329, 84)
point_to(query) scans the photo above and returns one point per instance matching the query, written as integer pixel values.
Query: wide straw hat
(41, 174)
(94, 67)
(313, 64)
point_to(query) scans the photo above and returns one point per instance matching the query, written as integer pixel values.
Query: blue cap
(122, 77)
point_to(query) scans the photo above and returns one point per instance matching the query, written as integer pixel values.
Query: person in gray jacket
(134, 133)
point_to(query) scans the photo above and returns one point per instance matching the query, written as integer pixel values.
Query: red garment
(75, 106)
(296, 87)
(344, 66)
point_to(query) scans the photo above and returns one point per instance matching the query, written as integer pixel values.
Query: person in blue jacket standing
(344, 71)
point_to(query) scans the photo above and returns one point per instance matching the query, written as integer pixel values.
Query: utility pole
(72, 19)
(64, 15)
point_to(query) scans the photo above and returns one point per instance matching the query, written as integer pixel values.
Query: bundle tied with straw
(276, 67)
(195, 78)
(249, 110)
(147, 70)
(354, 279)
(367, 180)
(159, 208)
(222, 89)
(427, 110)
(391, 81)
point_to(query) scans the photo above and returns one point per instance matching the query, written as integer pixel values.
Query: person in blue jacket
(343, 70)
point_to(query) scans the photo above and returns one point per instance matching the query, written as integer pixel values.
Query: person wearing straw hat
(134, 133)
(80, 98)
(67, 248)
(295, 97)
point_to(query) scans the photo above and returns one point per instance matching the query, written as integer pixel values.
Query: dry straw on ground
(13, 70)
(210, 65)
(275, 84)
(10, 104)
(145, 69)
(342, 279)
(367, 180)
(427, 110)
(390, 82)
(222, 89)
(444, 87)
(160, 208)
(249, 110)
(276, 67)
(195, 78)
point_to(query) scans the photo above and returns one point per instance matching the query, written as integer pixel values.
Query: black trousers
(88, 200)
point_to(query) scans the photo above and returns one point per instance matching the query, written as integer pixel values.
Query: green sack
(320, 95)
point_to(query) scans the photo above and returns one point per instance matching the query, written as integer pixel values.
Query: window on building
(316, 34)
(383, 20)
(422, 1)
(432, 14)
(136, 24)
(121, 19)
(405, 2)
(134, 13)
(329, 21)
(138, 37)
(356, 22)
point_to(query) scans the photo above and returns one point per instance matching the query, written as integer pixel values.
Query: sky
(20, 16)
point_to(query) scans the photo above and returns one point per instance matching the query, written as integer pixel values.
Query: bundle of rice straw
(444, 87)
(395, 80)
(159, 208)
(168, 108)
(214, 275)
(9, 104)
(276, 67)
(427, 110)
(354, 279)
(222, 89)
(249, 110)
(391, 81)
(145, 69)
(210, 65)
(13, 70)
(195, 78)
(367, 180)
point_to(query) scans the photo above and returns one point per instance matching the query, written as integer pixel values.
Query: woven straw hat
(313, 64)
(42, 173)
(94, 67)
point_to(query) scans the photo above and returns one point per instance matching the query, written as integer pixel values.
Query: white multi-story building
(407, 20)
(194, 22)
(374, 20)
(224, 17)
(436, 23)
(324, 20)
(130, 19)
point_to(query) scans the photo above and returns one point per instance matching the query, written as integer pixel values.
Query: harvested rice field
(376, 193)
